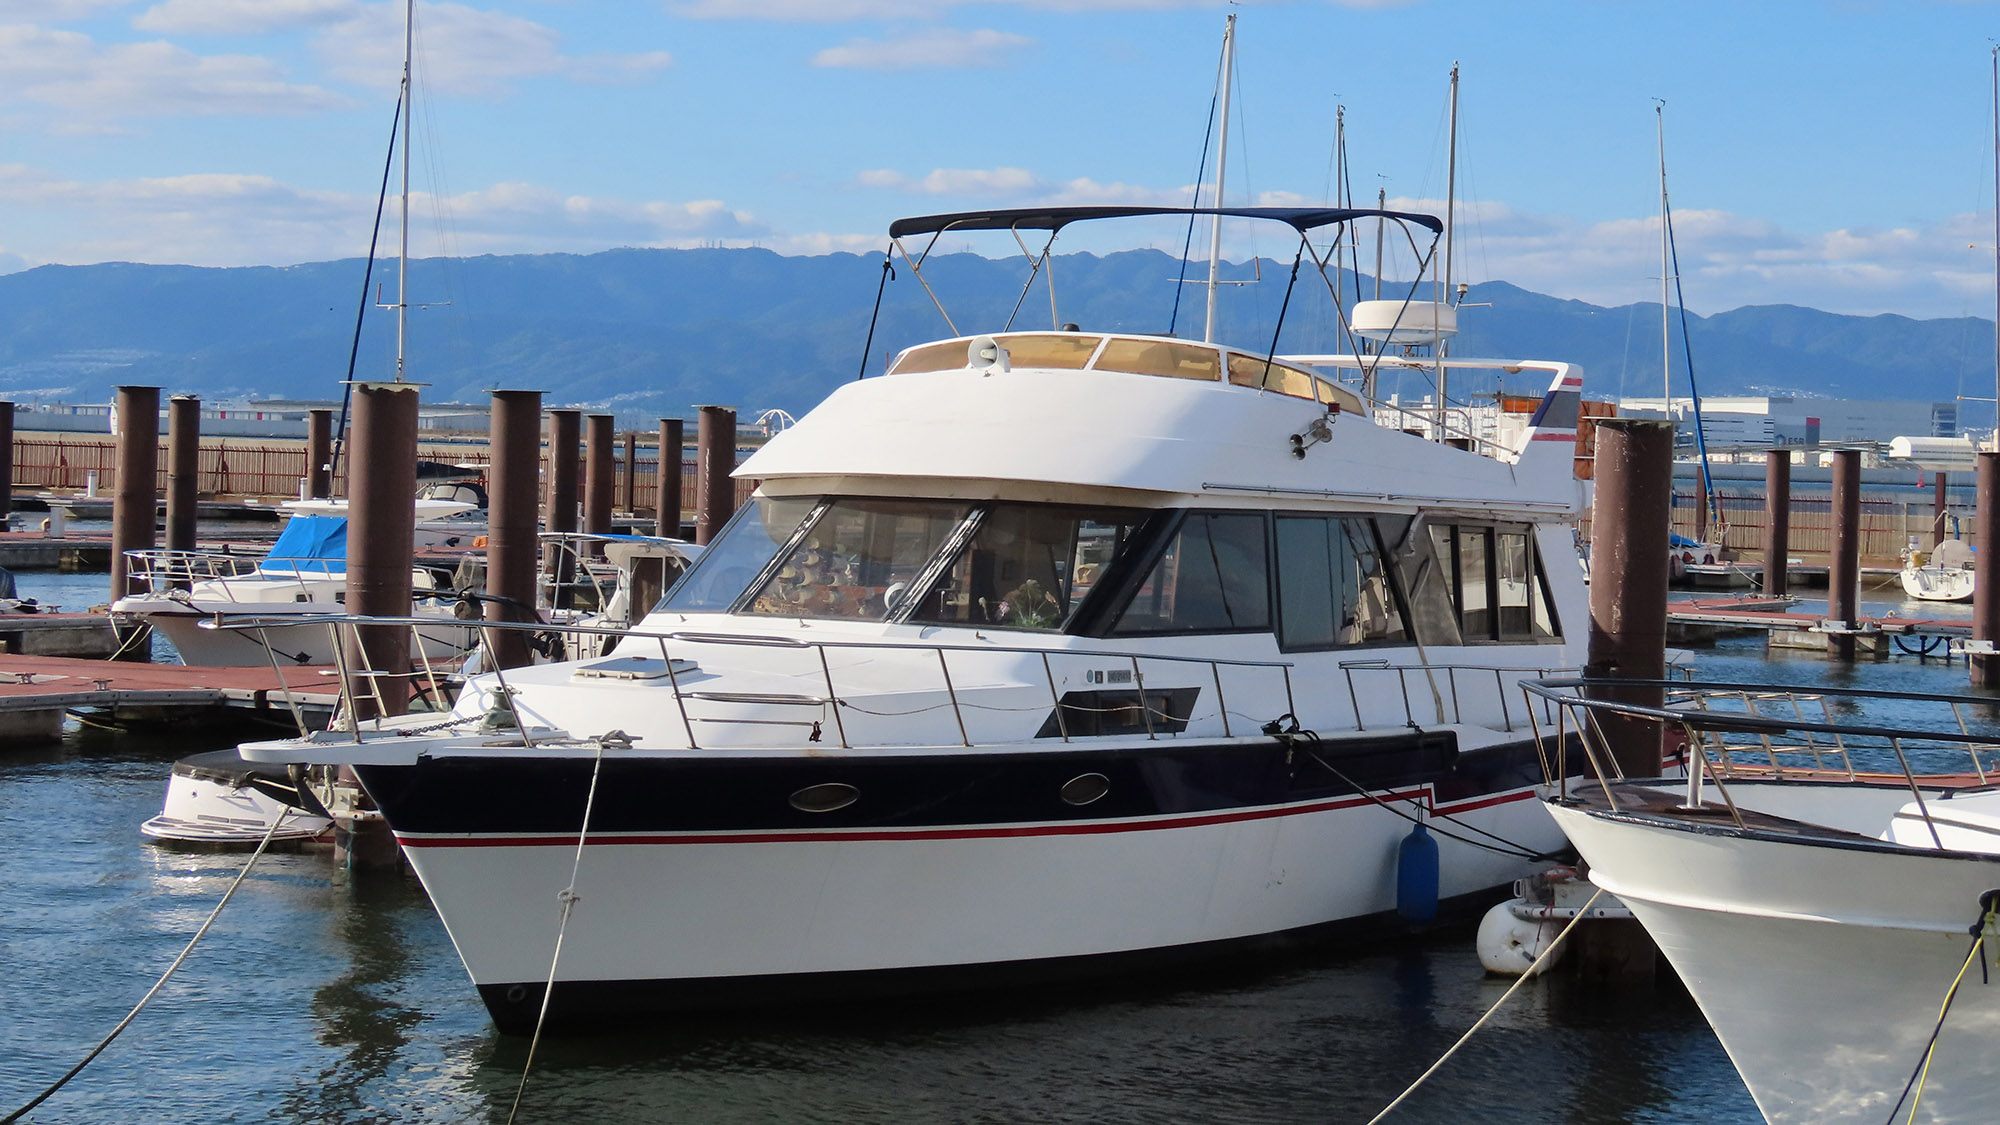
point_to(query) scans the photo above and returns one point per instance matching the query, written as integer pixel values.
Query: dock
(1698, 621)
(37, 692)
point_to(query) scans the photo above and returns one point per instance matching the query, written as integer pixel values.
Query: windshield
(857, 558)
(1028, 566)
(740, 553)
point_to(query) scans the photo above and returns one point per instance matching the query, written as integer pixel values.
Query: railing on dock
(1733, 731)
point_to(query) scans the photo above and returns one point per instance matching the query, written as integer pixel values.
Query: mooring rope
(1989, 913)
(1504, 997)
(157, 985)
(568, 897)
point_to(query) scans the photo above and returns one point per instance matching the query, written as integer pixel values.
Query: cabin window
(1027, 566)
(1495, 577)
(1211, 578)
(745, 548)
(1065, 350)
(1425, 570)
(857, 558)
(1333, 588)
(1170, 358)
(947, 356)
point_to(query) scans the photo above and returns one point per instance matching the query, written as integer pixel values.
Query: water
(327, 997)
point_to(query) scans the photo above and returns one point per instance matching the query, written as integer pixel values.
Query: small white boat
(1819, 900)
(218, 798)
(1942, 575)
(303, 575)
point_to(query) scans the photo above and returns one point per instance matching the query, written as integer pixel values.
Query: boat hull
(287, 644)
(701, 886)
(1937, 584)
(1822, 966)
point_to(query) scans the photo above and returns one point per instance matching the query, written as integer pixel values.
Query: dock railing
(1736, 731)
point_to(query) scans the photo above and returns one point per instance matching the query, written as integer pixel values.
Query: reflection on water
(324, 997)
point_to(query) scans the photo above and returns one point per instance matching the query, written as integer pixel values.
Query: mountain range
(653, 333)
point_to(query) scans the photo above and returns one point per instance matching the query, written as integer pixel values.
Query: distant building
(1737, 422)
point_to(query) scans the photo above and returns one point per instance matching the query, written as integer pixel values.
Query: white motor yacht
(1046, 653)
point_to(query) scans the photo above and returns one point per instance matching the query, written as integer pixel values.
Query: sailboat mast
(403, 249)
(1450, 206)
(1221, 162)
(1996, 249)
(1666, 271)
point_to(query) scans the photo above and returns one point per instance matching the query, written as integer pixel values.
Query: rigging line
(875, 317)
(45, 1095)
(361, 312)
(1921, 1074)
(568, 898)
(1512, 848)
(1694, 393)
(1187, 247)
(1504, 997)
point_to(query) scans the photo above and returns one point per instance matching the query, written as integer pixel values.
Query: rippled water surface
(325, 996)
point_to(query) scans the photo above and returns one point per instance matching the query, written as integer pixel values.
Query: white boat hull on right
(1861, 943)
(1937, 584)
(288, 644)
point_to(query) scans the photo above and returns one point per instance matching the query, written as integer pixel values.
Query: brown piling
(319, 453)
(1777, 522)
(667, 477)
(183, 469)
(6, 463)
(512, 513)
(1986, 573)
(564, 429)
(1843, 570)
(136, 501)
(1938, 510)
(381, 539)
(628, 500)
(1628, 578)
(597, 475)
(715, 459)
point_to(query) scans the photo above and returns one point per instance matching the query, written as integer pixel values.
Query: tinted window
(858, 558)
(1332, 586)
(1213, 577)
(740, 553)
(1027, 566)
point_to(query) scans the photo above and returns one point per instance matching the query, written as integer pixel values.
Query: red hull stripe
(983, 833)
(1561, 435)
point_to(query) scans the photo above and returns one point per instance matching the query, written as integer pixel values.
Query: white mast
(1996, 248)
(1221, 161)
(1666, 274)
(1450, 201)
(403, 251)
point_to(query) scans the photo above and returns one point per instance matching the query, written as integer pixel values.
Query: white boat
(1045, 653)
(1941, 575)
(303, 575)
(217, 798)
(1819, 899)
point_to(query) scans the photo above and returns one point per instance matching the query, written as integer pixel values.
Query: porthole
(1085, 788)
(825, 797)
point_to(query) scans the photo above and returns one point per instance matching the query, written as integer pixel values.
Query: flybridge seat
(1135, 355)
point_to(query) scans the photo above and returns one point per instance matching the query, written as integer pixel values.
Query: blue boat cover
(1674, 539)
(312, 544)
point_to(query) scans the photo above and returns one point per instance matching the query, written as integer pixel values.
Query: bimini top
(1301, 219)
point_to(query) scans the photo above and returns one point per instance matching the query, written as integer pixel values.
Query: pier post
(1985, 666)
(1938, 511)
(513, 511)
(134, 503)
(1777, 522)
(1628, 579)
(183, 469)
(6, 464)
(381, 540)
(1843, 571)
(715, 459)
(597, 475)
(319, 453)
(628, 500)
(667, 477)
(565, 427)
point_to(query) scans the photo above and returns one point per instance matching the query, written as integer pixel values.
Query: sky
(1835, 154)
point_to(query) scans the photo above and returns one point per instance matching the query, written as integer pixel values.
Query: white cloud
(464, 50)
(55, 11)
(1021, 187)
(840, 11)
(240, 17)
(90, 81)
(944, 47)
